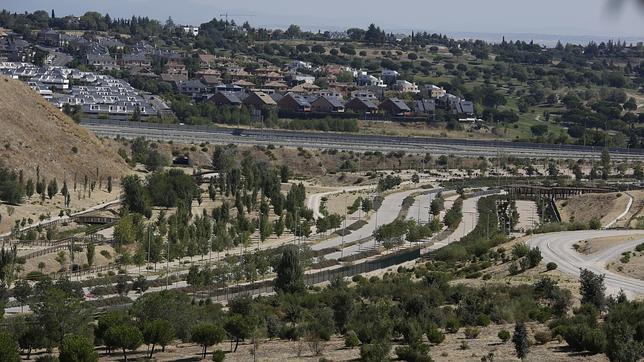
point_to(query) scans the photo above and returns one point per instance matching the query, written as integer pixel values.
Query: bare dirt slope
(34, 133)
(583, 208)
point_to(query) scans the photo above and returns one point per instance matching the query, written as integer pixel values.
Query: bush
(483, 320)
(504, 335)
(413, 354)
(374, 352)
(435, 336)
(520, 250)
(551, 266)
(595, 224)
(452, 325)
(640, 247)
(543, 337)
(472, 333)
(351, 339)
(218, 355)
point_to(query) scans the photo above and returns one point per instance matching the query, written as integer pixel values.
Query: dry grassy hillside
(34, 133)
(583, 208)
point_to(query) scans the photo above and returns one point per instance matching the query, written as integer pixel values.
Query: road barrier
(310, 279)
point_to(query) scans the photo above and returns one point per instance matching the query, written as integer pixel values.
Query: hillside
(34, 133)
(583, 208)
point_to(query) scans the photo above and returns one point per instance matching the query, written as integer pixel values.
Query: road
(558, 248)
(345, 141)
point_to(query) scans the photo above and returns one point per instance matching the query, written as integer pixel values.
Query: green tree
(109, 184)
(606, 163)
(90, 253)
(29, 188)
(52, 188)
(520, 340)
(239, 328)
(8, 348)
(77, 349)
(22, 291)
(124, 336)
(592, 288)
(290, 276)
(158, 332)
(207, 335)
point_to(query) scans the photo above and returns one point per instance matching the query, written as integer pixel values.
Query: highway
(558, 248)
(346, 141)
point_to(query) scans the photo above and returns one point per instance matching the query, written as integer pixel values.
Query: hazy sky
(564, 17)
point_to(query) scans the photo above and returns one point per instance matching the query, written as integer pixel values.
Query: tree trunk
(204, 351)
(236, 344)
(124, 355)
(163, 348)
(28, 352)
(152, 351)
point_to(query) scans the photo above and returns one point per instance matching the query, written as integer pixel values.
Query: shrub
(218, 356)
(435, 336)
(452, 325)
(504, 335)
(351, 339)
(472, 333)
(483, 320)
(595, 224)
(520, 250)
(640, 247)
(543, 337)
(464, 345)
(374, 351)
(413, 354)
(551, 266)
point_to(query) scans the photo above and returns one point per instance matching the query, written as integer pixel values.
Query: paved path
(386, 214)
(558, 248)
(628, 209)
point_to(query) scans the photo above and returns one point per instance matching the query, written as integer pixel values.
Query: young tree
(207, 335)
(9, 348)
(124, 336)
(77, 349)
(52, 188)
(592, 288)
(159, 332)
(29, 188)
(109, 184)
(90, 253)
(22, 292)
(520, 340)
(239, 328)
(606, 164)
(290, 276)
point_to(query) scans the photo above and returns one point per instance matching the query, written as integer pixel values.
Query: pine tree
(520, 340)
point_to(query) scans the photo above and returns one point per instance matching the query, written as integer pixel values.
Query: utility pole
(344, 230)
(167, 267)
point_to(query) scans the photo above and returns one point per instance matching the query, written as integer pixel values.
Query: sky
(557, 17)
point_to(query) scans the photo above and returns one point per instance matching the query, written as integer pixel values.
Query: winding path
(558, 248)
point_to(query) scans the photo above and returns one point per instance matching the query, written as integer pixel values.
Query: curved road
(558, 248)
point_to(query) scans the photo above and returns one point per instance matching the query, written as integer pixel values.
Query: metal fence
(346, 271)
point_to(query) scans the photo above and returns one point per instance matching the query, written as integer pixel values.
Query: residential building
(259, 100)
(362, 105)
(425, 106)
(193, 88)
(327, 104)
(226, 98)
(395, 107)
(404, 86)
(294, 102)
